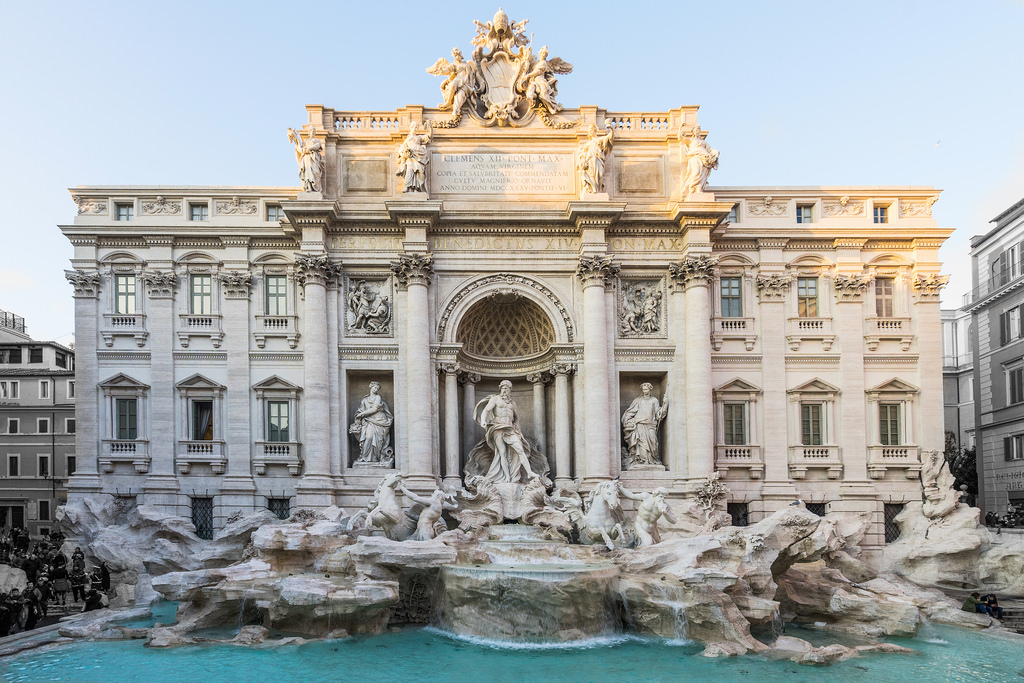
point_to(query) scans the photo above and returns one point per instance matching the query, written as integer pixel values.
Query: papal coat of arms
(504, 83)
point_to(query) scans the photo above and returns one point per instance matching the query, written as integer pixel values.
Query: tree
(963, 465)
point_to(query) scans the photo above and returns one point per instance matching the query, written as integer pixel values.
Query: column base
(315, 492)
(161, 490)
(84, 483)
(238, 493)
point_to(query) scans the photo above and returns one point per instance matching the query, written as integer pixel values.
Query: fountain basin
(529, 602)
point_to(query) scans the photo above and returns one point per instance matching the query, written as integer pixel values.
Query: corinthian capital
(772, 287)
(316, 269)
(161, 284)
(693, 270)
(929, 287)
(851, 287)
(236, 284)
(413, 269)
(86, 284)
(596, 270)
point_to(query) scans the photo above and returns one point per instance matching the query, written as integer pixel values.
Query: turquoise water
(423, 655)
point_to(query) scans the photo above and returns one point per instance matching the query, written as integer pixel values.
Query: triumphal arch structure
(242, 347)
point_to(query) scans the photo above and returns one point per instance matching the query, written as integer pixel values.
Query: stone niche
(358, 386)
(629, 390)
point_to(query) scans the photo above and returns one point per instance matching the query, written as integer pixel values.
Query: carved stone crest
(504, 83)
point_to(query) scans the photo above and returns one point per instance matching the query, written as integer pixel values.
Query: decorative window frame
(905, 455)
(900, 326)
(276, 326)
(199, 325)
(113, 450)
(193, 451)
(819, 328)
(7, 465)
(39, 425)
(123, 324)
(825, 456)
(747, 456)
(40, 459)
(16, 421)
(743, 328)
(45, 389)
(277, 453)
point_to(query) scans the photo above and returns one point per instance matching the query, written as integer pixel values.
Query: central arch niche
(505, 326)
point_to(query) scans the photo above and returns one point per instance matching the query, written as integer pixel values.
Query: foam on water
(585, 644)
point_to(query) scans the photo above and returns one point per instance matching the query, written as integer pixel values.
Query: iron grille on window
(738, 512)
(817, 508)
(202, 517)
(280, 507)
(892, 529)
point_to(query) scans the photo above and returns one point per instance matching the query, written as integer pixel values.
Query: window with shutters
(1013, 447)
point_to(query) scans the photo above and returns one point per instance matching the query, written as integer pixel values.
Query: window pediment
(815, 386)
(276, 385)
(199, 383)
(894, 385)
(738, 385)
(122, 381)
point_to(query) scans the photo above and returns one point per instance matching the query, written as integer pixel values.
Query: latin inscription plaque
(494, 173)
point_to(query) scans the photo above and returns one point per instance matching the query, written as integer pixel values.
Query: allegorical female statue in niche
(640, 425)
(372, 424)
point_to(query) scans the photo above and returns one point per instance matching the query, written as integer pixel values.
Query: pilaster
(86, 285)
(237, 487)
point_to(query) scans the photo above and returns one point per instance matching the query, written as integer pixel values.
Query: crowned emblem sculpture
(504, 83)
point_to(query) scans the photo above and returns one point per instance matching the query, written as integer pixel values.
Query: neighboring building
(958, 375)
(37, 426)
(229, 334)
(996, 305)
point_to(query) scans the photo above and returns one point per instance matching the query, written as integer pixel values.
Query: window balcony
(741, 329)
(210, 453)
(739, 457)
(882, 458)
(200, 326)
(810, 329)
(135, 451)
(285, 326)
(889, 328)
(283, 453)
(803, 458)
(124, 325)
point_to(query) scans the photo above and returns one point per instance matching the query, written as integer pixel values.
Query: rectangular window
(738, 512)
(804, 213)
(202, 420)
(819, 509)
(44, 388)
(69, 425)
(125, 212)
(13, 466)
(44, 466)
(734, 415)
(198, 212)
(277, 421)
(734, 215)
(61, 359)
(13, 425)
(810, 424)
(881, 214)
(71, 388)
(884, 297)
(202, 517)
(280, 507)
(124, 294)
(732, 302)
(1015, 384)
(126, 418)
(72, 464)
(43, 425)
(35, 354)
(274, 212)
(1013, 447)
(11, 355)
(202, 295)
(807, 297)
(277, 295)
(9, 389)
(889, 423)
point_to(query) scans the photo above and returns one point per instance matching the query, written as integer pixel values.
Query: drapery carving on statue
(372, 429)
(413, 158)
(86, 284)
(640, 425)
(940, 494)
(596, 270)
(504, 83)
(592, 157)
(505, 454)
(413, 269)
(700, 159)
(368, 308)
(641, 305)
(309, 154)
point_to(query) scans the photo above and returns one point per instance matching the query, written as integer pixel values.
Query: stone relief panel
(768, 206)
(369, 306)
(365, 175)
(95, 207)
(160, 205)
(639, 176)
(844, 207)
(236, 206)
(641, 308)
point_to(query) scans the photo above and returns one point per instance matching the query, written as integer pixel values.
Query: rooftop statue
(309, 154)
(593, 154)
(413, 158)
(700, 160)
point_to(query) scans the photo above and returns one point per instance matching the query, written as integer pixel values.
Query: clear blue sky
(793, 93)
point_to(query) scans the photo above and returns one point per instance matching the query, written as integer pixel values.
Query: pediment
(894, 385)
(122, 381)
(816, 385)
(739, 385)
(276, 383)
(197, 381)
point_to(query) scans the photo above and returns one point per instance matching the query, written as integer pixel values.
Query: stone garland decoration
(641, 308)
(413, 269)
(767, 207)
(368, 308)
(917, 208)
(96, 207)
(772, 287)
(851, 287)
(161, 206)
(693, 270)
(161, 284)
(929, 287)
(236, 206)
(236, 284)
(86, 284)
(844, 208)
(596, 270)
(510, 279)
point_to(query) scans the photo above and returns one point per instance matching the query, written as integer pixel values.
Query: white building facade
(226, 336)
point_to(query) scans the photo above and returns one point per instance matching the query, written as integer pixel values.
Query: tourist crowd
(53, 580)
(1013, 519)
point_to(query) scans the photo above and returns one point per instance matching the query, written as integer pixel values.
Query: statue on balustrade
(700, 160)
(593, 154)
(640, 425)
(309, 153)
(372, 426)
(505, 454)
(413, 158)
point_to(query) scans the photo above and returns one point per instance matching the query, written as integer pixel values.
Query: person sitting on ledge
(974, 603)
(992, 605)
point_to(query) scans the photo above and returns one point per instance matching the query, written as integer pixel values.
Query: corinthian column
(563, 468)
(452, 478)
(540, 427)
(594, 273)
(86, 478)
(316, 489)
(694, 275)
(414, 271)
